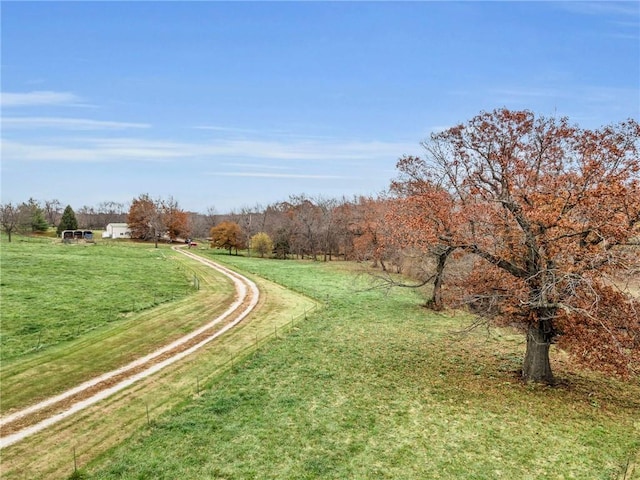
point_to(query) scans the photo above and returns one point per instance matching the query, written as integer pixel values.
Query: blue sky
(237, 104)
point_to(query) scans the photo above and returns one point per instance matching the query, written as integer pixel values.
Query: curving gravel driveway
(27, 421)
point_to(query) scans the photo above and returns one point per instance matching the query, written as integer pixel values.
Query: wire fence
(203, 383)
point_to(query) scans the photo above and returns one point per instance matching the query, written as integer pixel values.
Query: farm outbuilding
(68, 235)
(117, 230)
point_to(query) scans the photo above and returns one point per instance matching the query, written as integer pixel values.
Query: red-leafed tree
(548, 208)
(175, 219)
(371, 239)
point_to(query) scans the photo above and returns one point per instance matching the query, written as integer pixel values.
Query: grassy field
(53, 293)
(373, 386)
(131, 299)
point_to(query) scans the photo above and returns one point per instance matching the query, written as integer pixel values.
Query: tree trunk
(536, 366)
(435, 302)
(439, 278)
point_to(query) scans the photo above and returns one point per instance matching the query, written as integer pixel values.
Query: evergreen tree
(68, 220)
(38, 223)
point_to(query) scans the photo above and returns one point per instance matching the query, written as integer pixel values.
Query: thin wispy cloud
(120, 149)
(627, 36)
(38, 98)
(253, 165)
(306, 150)
(245, 133)
(525, 92)
(68, 123)
(98, 151)
(281, 175)
(217, 128)
(623, 17)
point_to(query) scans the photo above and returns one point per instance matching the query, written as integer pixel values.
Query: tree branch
(498, 262)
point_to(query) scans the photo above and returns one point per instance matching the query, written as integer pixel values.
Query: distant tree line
(301, 226)
(38, 216)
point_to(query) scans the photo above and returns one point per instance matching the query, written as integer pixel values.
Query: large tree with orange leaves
(144, 218)
(547, 208)
(176, 220)
(227, 235)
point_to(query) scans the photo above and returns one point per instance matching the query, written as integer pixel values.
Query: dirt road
(19, 425)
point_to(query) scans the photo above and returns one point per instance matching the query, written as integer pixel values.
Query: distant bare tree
(52, 211)
(11, 217)
(328, 240)
(280, 226)
(307, 219)
(86, 216)
(251, 220)
(110, 212)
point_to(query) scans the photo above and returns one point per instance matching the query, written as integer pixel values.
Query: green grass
(373, 386)
(53, 293)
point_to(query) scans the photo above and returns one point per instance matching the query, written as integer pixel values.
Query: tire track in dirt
(23, 423)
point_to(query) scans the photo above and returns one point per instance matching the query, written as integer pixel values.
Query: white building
(117, 230)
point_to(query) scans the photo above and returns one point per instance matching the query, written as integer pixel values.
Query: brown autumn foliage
(227, 235)
(143, 216)
(603, 329)
(420, 218)
(369, 232)
(544, 205)
(176, 220)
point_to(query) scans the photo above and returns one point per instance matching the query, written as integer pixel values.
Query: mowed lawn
(372, 386)
(52, 292)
